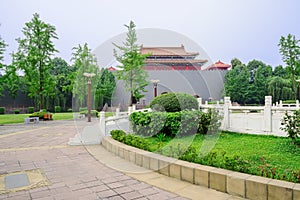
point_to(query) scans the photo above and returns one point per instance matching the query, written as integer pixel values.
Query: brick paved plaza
(71, 171)
(37, 163)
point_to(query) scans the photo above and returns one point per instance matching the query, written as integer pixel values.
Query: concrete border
(234, 183)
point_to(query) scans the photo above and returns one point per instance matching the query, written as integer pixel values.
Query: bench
(31, 119)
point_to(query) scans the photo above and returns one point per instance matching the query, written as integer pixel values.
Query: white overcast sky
(225, 29)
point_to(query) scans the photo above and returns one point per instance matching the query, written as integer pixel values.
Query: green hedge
(57, 109)
(94, 113)
(82, 109)
(16, 111)
(130, 139)
(30, 110)
(174, 102)
(174, 123)
(2, 110)
(289, 101)
(39, 114)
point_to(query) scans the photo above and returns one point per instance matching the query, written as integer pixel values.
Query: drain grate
(23, 180)
(16, 181)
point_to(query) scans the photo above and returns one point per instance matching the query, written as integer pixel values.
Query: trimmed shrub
(118, 135)
(289, 101)
(57, 109)
(30, 110)
(16, 111)
(69, 110)
(175, 123)
(174, 102)
(2, 110)
(94, 113)
(41, 114)
(130, 139)
(291, 125)
(82, 109)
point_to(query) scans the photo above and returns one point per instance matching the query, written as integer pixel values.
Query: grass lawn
(269, 156)
(13, 118)
(19, 118)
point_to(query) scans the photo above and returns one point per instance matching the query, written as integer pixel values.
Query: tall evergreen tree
(84, 62)
(61, 70)
(290, 52)
(12, 81)
(132, 61)
(3, 45)
(280, 71)
(34, 59)
(279, 88)
(105, 88)
(2, 50)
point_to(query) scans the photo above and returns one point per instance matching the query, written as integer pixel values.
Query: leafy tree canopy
(132, 61)
(290, 51)
(105, 88)
(84, 62)
(33, 57)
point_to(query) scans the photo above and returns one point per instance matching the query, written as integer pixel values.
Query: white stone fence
(244, 119)
(117, 119)
(253, 119)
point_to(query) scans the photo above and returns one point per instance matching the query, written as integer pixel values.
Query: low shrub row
(130, 139)
(43, 114)
(2, 110)
(16, 111)
(186, 122)
(94, 113)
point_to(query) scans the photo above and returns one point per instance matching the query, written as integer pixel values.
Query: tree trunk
(293, 85)
(41, 103)
(131, 92)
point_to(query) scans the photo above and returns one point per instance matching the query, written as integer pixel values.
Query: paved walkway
(77, 172)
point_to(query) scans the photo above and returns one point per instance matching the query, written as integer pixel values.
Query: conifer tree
(132, 72)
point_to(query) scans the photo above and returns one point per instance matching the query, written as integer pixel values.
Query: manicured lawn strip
(269, 156)
(13, 118)
(19, 118)
(63, 116)
(276, 151)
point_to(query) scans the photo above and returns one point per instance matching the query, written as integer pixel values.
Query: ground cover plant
(268, 156)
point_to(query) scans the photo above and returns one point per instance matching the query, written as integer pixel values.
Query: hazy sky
(225, 29)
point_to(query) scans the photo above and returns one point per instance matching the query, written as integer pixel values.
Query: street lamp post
(89, 77)
(155, 83)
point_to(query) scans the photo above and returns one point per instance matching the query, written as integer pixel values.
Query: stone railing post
(117, 112)
(129, 110)
(268, 114)
(280, 104)
(199, 102)
(226, 119)
(297, 103)
(102, 123)
(133, 107)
